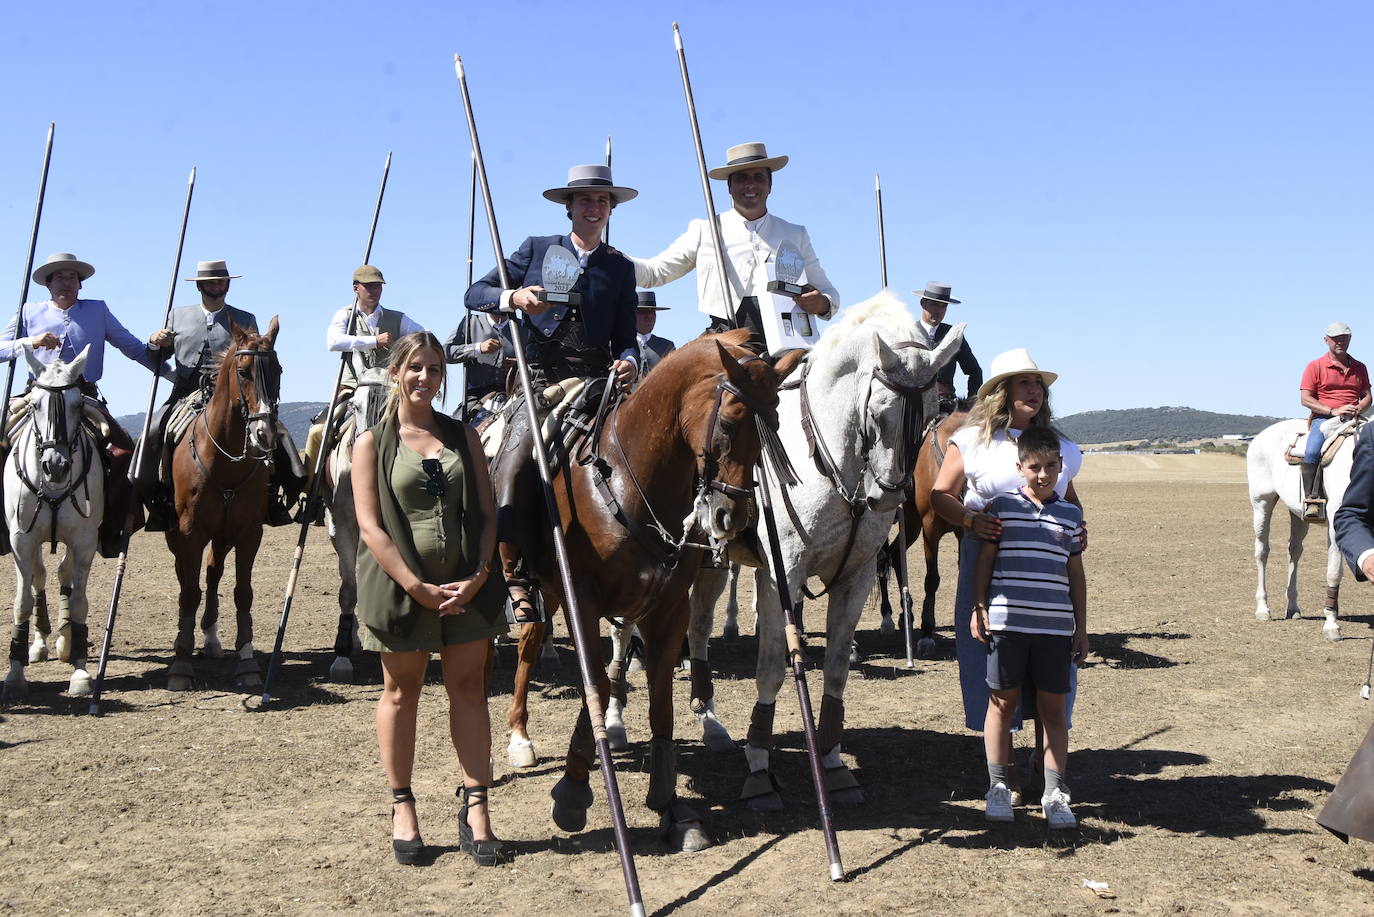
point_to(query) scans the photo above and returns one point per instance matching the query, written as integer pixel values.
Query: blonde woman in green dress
(427, 521)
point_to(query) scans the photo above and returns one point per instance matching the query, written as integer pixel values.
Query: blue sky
(1166, 203)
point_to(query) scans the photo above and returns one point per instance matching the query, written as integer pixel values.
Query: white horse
(1272, 479)
(54, 492)
(365, 410)
(867, 387)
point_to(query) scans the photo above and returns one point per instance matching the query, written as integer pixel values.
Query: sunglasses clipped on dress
(435, 483)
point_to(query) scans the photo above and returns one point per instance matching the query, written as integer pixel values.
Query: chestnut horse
(220, 470)
(920, 516)
(672, 469)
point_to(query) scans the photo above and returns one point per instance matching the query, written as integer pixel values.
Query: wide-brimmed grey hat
(1336, 329)
(57, 262)
(649, 302)
(212, 270)
(590, 178)
(1014, 363)
(747, 156)
(938, 292)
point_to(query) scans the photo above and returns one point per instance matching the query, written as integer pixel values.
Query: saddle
(570, 407)
(1337, 431)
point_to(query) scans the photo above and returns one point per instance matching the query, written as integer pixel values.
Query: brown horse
(919, 515)
(220, 470)
(680, 450)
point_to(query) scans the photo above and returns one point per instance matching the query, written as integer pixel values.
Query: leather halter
(825, 461)
(265, 386)
(58, 438)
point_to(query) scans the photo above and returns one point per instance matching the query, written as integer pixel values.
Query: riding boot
(1314, 504)
(157, 497)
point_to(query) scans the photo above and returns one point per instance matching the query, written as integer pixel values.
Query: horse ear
(739, 336)
(788, 362)
(272, 327)
(948, 348)
(733, 370)
(79, 364)
(36, 366)
(235, 331)
(887, 357)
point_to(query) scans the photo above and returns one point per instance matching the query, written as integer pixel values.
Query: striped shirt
(1030, 581)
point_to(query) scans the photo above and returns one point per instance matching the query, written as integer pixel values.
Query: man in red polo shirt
(1333, 385)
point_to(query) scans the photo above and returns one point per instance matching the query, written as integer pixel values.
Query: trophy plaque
(786, 327)
(561, 270)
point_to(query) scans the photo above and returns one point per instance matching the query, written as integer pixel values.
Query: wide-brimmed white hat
(1014, 363)
(590, 178)
(59, 261)
(747, 156)
(212, 270)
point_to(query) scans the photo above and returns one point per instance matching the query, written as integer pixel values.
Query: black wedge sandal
(408, 853)
(486, 852)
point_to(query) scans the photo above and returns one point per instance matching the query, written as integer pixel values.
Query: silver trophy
(561, 270)
(789, 267)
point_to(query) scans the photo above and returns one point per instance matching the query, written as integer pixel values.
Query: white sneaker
(998, 804)
(1057, 812)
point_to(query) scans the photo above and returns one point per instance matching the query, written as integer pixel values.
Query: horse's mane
(885, 313)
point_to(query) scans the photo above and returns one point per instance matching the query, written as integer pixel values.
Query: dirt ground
(1204, 745)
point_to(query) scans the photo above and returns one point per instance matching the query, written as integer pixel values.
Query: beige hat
(1336, 329)
(747, 156)
(212, 270)
(1014, 363)
(59, 261)
(590, 178)
(368, 274)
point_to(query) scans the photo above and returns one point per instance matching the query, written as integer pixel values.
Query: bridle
(58, 435)
(266, 378)
(906, 447)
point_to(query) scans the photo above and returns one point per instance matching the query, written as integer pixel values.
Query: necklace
(417, 429)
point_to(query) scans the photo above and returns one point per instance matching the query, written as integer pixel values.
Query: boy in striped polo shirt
(1030, 608)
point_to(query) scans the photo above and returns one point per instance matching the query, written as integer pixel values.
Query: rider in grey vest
(202, 331)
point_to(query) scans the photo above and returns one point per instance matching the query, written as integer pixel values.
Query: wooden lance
(314, 495)
(122, 563)
(560, 548)
(903, 584)
(794, 648)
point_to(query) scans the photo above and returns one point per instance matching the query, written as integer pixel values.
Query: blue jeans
(1315, 439)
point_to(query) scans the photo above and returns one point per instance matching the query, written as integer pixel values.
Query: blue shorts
(1043, 660)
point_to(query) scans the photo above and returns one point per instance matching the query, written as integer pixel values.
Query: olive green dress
(437, 542)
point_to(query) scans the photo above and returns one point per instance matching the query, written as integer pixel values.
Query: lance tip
(677, 37)
(878, 181)
(458, 64)
(192, 179)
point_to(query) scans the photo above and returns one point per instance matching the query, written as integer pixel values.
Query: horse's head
(369, 398)
(727, 415)
(251, 372)
(55, 402)
(885, 360)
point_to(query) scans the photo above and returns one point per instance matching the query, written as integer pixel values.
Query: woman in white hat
(979, 465)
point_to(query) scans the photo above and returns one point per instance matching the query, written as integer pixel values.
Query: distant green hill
(1157, 425)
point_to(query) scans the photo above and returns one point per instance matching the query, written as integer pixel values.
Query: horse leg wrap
(80, 637)
(19, 644)
(761, 725)
(1333, 598)
(343, 640)
(831, 725)
(662, 774)
(703, 689)
(616, 673)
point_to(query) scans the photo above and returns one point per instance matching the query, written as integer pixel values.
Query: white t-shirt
(990, 468)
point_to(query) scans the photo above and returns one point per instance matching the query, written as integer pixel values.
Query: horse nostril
(722, 519)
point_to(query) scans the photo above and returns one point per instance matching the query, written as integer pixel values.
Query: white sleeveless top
(990, 468)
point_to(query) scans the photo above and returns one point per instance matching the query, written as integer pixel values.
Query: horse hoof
(80, 685)
(16, 689)
(1292, 614)
(571, 800)
(617, 737)
(520, 753)
(1262, 614)
(212, 651)
(248, 681)
(842, 787)
(850, 797)
(715, 736)
(635, 665)
(179, 683)
(760, 792)
(768, 802)
(855, 657)
(681, 829)
(341, 670)
(925, 648)
(38, 652)
(887, 627)
(731, 631)
(1331, 631)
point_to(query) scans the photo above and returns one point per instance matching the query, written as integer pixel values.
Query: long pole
(608, 165)
(467, 314)
(795, 654)
(326, 444)
(903, 583)
(560, 548)
(122, 563)
(28, 263)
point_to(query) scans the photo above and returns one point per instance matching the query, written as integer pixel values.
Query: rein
(263, 385)
(58, 438)
(825, 461)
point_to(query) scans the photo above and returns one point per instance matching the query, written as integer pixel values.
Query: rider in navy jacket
(1354, 522)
